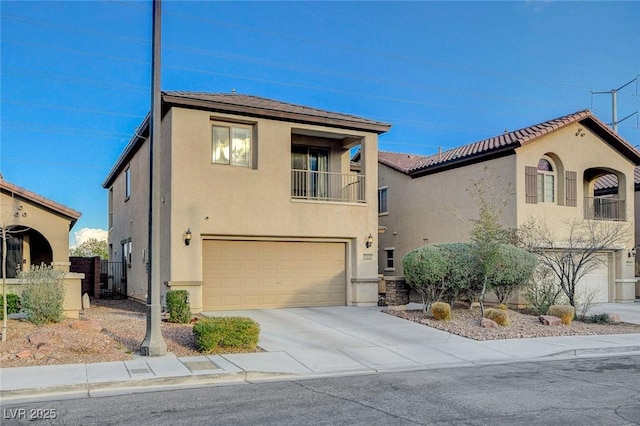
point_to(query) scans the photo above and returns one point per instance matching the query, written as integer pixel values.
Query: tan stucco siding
(436, 208)
(571, 152)
(54, 227)
(130, 220)
(222, 201)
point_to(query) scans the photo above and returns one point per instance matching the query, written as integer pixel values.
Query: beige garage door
(272, 274)
(595, 284)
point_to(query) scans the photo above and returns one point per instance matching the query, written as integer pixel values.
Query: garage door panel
(270, 274)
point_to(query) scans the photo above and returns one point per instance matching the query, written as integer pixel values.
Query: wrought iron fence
(113, 280)
(604, 208)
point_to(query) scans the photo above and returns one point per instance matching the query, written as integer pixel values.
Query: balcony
(604, 208)
(325, 186)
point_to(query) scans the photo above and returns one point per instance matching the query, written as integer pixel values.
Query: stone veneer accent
(397, 291)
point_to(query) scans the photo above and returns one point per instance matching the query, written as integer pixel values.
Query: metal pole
(154, 344)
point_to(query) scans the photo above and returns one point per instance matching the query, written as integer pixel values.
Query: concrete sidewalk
(311, 342)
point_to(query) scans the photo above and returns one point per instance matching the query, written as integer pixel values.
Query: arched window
(546, 182)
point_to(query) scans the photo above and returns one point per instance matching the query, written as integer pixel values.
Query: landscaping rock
(86, 304)
(614, 318)
(489, 323)
(88, 325)
(26, 353)
(41, 337)
(550, 320)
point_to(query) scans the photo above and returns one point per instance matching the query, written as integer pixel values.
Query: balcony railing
(325, 186)
(601, 208)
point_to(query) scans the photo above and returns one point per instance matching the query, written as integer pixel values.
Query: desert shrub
(43, 294)
(543, 291)
(464, 278)
(598, 318)
(178, 306)
(425, 269)
(500, 316)
(585, 299)
(512, 269)
(564, 312)
(13, 304)
(502, 307)
(220, 333)
(441, 311)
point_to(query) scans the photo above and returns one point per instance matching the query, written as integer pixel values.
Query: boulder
(489, 323)
(88, 325)
(614, 318)
(550, 320)
(40, 338)
(26, 353)
(86, 304)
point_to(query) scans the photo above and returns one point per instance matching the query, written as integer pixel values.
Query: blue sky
(75, 76)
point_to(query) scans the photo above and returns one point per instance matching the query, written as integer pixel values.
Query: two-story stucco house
(547, 171)
(261, 205)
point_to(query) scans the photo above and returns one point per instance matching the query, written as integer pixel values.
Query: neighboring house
(548, 170)
(38, 234)
(261, 205)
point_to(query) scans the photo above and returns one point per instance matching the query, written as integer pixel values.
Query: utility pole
(614, 103)
(154, 344)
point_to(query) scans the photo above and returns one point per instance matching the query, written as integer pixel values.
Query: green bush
(564, 312)
(463, 277)
(598, 318)
(425, 269)
(513, 267)
(500, 316)
(13, 304)
(178, 306)
(441, 311)
(43, 294)
(223, 333)
(543, 291)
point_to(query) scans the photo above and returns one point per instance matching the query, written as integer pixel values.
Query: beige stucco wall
(437, 208)
(220, 201)
(54, 227)
(428, 209)
(72, 304)
(130, 220)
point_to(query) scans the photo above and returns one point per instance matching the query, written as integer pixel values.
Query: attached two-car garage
(243, 274)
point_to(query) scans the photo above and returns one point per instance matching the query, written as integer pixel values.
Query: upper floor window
(546, 182)
(232, 145)
(382, 200)
(127, 183)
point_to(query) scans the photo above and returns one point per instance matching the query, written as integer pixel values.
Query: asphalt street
(595, 391)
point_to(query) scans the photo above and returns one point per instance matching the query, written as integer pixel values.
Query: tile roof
(255, 105)
(40, 200)
(248, 105)
(504, 143)
(611, 181)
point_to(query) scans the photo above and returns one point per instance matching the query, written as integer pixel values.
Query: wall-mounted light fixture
(632, 252)
(187, 237)
(369, 241)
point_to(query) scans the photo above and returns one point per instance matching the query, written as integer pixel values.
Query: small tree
(543, 291)
(577, 253)
(91, 248)
(487, 232)
(425, 269)
(514, 268)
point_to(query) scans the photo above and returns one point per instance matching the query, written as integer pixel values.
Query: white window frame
(383, 190)
(543, 185)
(127, 183)
(226, 156)
(387, 251)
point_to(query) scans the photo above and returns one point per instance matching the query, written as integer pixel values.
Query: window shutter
(531, 185)
(572, 189)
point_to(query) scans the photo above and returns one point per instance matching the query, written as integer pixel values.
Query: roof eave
(225, 107)
(134, 144)
(463, 161)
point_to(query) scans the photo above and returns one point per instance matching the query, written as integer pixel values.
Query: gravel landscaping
(465, 322)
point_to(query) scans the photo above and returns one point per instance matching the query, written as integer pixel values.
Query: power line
(60, 107)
